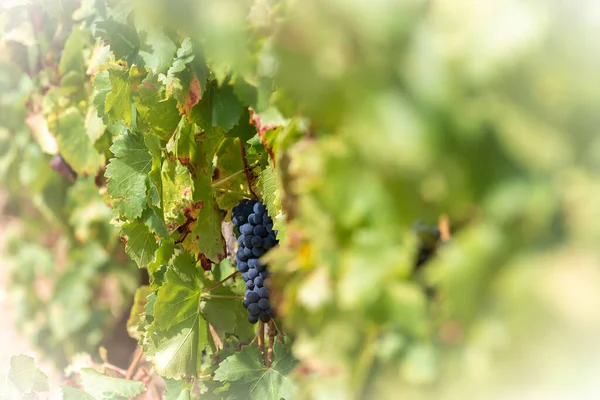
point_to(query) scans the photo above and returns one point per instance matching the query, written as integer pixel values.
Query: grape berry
(256, 237)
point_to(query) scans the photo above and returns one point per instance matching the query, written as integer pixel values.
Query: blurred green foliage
(374, 114)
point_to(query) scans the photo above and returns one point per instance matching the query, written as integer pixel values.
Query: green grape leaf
(229, 162)
(177, 192)
(127, 175)
(156, 114)
(71, 60)
(225, 315)
(117, 103)
(179, 333)
(71, 393)
(102, 87)
(175, 390)
(123, 39)
(173, 79)
(74, 143)
(219, 107)
(158, 50)
(244, 129)
(249, 378)
(140, 243)
(137, 314)
(104, 387)
(206, 237)
(23, 377)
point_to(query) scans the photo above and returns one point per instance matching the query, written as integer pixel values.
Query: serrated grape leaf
(157, 115)
(229, 162)
(155, 223)
(137, 314)
(140, 243)
(103, 387)
(225, 315)
(176, 391)
(74, 144)
(249, 378)
(269, 186)
(127, 175)
(244, 129)
(23, 377)
(158, 50)
(219, 107)
(117, 103)
(71, 60)
(123, 39)
(177, 190)
(206, 237)
(102, 86)
(179, 334)
(71, 393)
(176, 73)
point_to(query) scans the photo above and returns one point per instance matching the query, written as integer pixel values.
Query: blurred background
(484, 111)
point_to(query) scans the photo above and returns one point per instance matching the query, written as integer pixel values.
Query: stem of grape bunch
(247, 171)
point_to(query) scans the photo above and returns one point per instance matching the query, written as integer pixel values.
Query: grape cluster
(256, 237)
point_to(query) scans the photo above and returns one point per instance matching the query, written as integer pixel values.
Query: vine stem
(222, 281)
(231, 192)
(247, 170)
(272, 335)
(219, 296)
(136, 359)
(230, 177)
(261, 340)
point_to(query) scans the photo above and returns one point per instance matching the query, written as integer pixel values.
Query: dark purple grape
(245, 276)
(254, 308)
(269, 242)
(266, 219)
(258, 251)
(259, 208)
(256, 241)
(252, 273)
(261, 267)
(252, 296)
(260, 230)
(263, 303)
(241, 240)
(258, 281)
(252, 219)
(245, 303)
(247, 252)
(250, 284)
(246, 229)
(263, 292)
(240, 255)
(247, 240)
(263, 316)
(252, 318)
(242, 266)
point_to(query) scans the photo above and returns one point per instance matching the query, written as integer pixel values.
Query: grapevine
(216, 199)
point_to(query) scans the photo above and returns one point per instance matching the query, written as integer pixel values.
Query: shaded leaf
(104, 387)
(74, 143)
(123, 39)
(140, 243)
(249, 378)
(127, 175)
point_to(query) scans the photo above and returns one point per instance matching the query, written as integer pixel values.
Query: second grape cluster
(256, 237)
